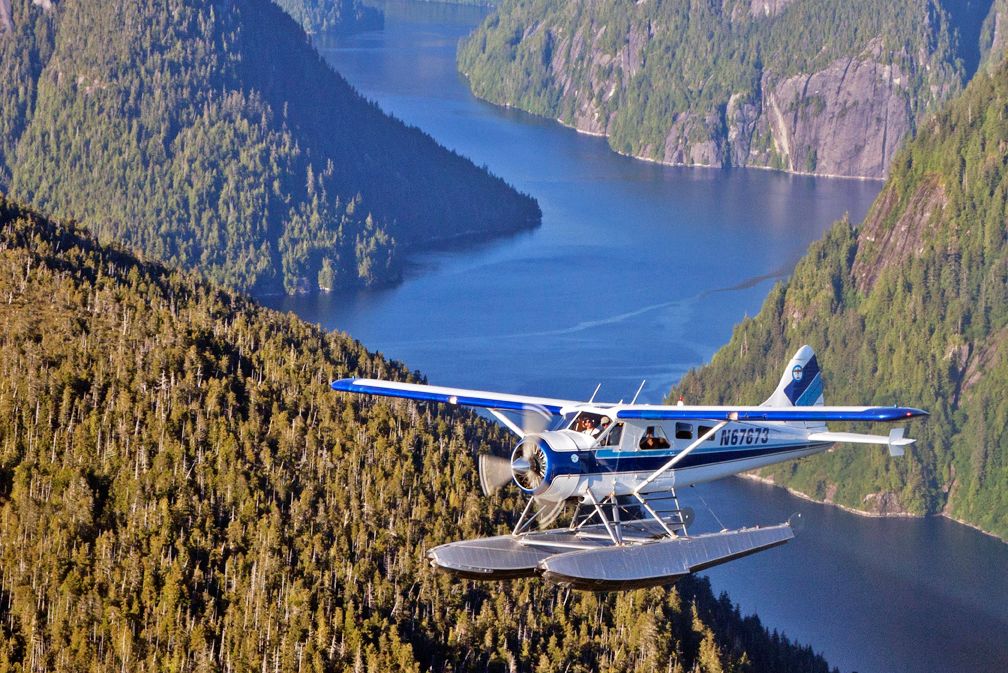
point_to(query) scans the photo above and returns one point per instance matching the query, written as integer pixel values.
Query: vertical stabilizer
(801, 384)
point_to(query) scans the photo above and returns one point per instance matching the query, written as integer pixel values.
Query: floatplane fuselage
(621, 463)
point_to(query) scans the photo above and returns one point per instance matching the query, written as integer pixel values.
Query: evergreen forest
(214, 137)
(333, 16)
(738, 82)
(908, 307)
(181, 490)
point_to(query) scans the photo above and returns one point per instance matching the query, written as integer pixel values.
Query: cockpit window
(590, 423)
(614, 436)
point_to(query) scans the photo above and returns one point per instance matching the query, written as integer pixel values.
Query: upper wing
(816, 413)
(461, 396)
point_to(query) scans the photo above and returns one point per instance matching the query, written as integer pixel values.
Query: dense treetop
(212, 135)
(180, 489)
(910, 307)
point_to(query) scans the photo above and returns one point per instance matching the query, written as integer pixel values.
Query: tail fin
(801, 384)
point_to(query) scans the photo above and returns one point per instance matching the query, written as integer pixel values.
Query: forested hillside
(212, 135)
(910, 307)
(819, 86)
(334, 16)
(181, 490)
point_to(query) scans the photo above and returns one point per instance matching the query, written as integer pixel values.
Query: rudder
(801, 384)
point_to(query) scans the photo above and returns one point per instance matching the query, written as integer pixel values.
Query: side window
(614, 436)
(684, 431)
(654, 438)
(703, 430)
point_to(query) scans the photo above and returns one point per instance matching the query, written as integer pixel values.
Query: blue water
(639, 272)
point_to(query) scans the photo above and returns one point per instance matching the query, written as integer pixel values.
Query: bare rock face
(6, 23)
(768, 7)
(848, 119)
(885, 503)
(883, 245)
(998, 45)
(692, 141)
(742, 115)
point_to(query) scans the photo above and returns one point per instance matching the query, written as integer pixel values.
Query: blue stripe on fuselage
(608, 461)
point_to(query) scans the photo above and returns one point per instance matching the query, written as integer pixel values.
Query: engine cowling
(547, 465)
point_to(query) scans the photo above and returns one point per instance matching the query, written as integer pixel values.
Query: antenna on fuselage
(637, 394)
(599, 386)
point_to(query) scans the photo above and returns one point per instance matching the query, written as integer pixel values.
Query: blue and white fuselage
(602, 451)
(574, 463)
(621, 465)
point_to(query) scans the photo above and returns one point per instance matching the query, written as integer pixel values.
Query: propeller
(497, 471)
(494, 472)
(526, 466)
(549, 511)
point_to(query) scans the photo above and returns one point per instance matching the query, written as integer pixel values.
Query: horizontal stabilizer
(895, 441)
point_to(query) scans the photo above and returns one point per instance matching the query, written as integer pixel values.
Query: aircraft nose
(521, 465)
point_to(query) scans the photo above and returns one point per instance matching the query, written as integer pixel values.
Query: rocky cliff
(6, 25)
(809, 86)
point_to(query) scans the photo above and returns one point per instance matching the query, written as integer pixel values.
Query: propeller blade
(494, 472)
(550, 511)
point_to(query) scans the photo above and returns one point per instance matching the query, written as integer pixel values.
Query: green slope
(213, 136)
(822, 86)
(180, 490)
(334, 16)
(910, 307)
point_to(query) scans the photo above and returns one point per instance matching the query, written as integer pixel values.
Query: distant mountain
(830, 87)
(180, 489)
(210, 134)
(335, 16)
(910, 307)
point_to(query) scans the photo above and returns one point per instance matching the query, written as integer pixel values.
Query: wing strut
(678, 457)
(508, 423)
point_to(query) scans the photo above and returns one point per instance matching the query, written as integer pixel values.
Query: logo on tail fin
(806, 386)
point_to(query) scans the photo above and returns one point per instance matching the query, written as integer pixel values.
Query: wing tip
(344, 385)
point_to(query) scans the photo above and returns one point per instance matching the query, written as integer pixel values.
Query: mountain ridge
(214, 136)
(820, 87)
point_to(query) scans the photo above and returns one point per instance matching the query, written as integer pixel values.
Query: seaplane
(618, 467)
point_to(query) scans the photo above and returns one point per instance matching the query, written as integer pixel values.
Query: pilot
(602, 426)
(586, 425)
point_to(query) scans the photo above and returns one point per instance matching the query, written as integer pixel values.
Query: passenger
(596, 432)
(614, 436)
(585, 424)
(652, 441)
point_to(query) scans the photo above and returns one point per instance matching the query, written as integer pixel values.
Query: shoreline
(595, 134)
(869, 515)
